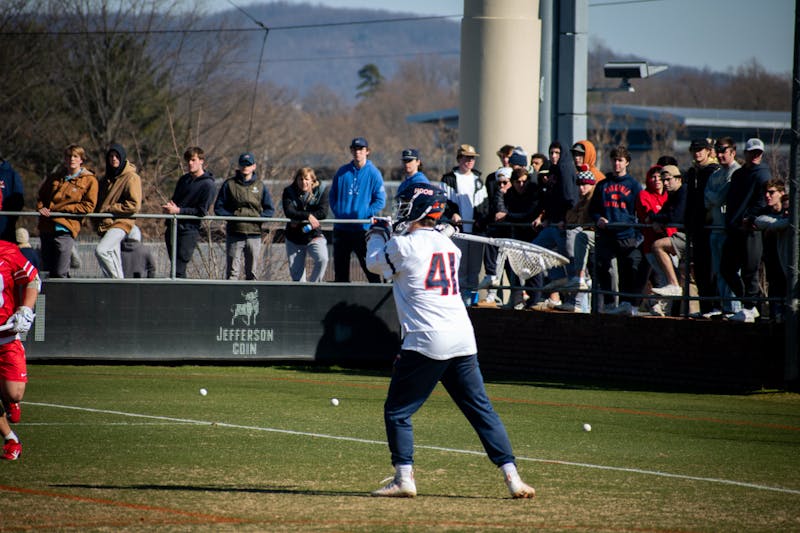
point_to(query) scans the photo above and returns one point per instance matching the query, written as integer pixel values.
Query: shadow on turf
(244, 490)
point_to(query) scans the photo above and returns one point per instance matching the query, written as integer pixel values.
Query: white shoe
(659, 308)
(746, 315)
(518, 488)
(491, 297)
(668, 290)
(397, 488)
(714, 313)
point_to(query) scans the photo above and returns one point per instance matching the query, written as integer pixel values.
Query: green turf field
(138, 448)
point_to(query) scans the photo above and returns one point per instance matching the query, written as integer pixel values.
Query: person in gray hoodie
(716, 193)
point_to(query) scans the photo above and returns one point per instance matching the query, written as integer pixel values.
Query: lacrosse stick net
(526, 259)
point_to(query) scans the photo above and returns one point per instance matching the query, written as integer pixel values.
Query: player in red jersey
(20, 287)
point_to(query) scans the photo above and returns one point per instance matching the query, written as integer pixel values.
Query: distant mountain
(330, 52)
(313, 45)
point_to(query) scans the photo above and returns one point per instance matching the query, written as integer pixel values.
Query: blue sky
(718, 34)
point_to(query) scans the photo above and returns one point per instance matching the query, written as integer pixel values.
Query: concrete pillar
(500, 53)
(573, 58)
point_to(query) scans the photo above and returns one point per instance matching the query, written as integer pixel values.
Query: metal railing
(278, 222)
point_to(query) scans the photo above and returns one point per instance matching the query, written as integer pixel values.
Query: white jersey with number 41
(423, 267)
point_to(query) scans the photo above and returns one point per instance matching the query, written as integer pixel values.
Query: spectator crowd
(637, 246)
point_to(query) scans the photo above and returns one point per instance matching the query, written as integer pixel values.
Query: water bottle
(307, 228)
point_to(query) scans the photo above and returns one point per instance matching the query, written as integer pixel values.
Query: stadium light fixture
(625, 71)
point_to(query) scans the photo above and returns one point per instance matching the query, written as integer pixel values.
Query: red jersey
(15, 274)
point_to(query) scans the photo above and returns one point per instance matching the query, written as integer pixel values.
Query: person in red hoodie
(649, 203)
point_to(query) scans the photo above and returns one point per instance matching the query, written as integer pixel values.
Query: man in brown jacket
(120, 195)
(71, 190)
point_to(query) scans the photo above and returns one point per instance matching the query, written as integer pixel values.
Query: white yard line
(437, 448)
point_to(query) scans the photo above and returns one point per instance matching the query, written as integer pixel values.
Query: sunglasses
(772, 191)
(503, 182)
(721, 149)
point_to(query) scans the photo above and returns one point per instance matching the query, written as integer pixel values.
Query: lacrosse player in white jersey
(438, 339)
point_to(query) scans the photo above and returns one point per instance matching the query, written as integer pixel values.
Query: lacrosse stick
(526, 259)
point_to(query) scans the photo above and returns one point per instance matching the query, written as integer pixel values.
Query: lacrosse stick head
(526, 259)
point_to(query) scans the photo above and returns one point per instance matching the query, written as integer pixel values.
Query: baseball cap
(359, 142)
(699, 144)
(754, 144)
(579, 148)
(409, 154)
(247, 159)
(672, 169)
(503, 173)
(467, 149)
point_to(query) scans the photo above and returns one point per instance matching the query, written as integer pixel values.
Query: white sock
(12, 436)
(509, 470)
(405, 471)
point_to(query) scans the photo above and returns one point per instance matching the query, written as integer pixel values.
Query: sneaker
(490, 302)
(576, 284)
(545, 305)
(571, 307)
(659, 308)
(491, 296)
(397, 488)
(554, 285)
(714, 313)
(668, 290)
(624, 308)
(488, 281)
(746, 315)
(12, 450)
(14, 412)
(518, 488)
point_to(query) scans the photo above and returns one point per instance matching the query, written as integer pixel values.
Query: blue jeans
(554, 239)
(729, 304)
(414, 378)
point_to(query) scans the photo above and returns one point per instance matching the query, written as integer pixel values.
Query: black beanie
(123, 158)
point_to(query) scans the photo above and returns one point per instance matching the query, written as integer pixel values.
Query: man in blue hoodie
(193, 195)
(613, 208)
(357, 192)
